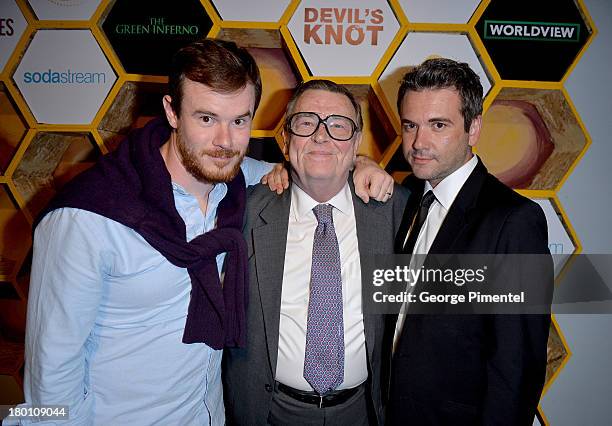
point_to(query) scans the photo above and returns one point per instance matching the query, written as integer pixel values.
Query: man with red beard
(128, 309)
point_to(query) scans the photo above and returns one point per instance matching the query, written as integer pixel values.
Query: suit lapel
(367, 221)
(270, 242)
(416, 192)
(269, 246)
(457, 219)
(458, 215)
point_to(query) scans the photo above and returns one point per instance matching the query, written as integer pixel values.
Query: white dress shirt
(296, 290)
(445, 191)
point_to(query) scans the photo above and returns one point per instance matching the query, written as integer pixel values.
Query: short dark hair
(443, 73)
(328, 86)
(218, 64)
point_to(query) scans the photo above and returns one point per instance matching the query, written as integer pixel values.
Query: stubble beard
(422, 174)
(437, 173)
(193, 161)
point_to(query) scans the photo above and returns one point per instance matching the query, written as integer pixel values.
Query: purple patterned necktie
(324, 356)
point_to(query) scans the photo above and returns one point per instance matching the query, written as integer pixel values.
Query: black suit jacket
(249, 373)
(473, 369)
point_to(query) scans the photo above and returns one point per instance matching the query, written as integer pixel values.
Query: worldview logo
(338, 26)
(68, 76)
(537, 31)
(6, 27)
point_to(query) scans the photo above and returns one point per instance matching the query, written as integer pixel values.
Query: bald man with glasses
(312, 356)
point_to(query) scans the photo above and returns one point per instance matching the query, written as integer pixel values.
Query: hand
(277, 179)
(371, 180)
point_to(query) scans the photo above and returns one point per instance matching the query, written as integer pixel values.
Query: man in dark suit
(312, 357)
(461, 369)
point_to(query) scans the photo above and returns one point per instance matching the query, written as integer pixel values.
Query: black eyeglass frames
(305, 124)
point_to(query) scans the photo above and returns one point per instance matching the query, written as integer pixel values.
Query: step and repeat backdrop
(77, 75)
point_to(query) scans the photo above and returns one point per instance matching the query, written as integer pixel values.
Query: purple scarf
(132, 186)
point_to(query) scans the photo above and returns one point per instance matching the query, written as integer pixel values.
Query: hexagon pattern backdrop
(77, 75)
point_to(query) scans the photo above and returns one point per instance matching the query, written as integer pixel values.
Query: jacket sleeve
(517, 344)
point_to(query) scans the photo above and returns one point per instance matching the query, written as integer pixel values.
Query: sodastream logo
(51, 76)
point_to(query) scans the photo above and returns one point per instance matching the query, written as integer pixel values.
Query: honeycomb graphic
(77, 75)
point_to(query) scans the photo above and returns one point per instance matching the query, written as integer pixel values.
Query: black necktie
(426, 201)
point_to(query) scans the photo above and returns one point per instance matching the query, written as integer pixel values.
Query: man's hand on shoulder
(371, 180)
(277, 179)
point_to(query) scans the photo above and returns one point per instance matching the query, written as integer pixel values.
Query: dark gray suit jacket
(249, 373)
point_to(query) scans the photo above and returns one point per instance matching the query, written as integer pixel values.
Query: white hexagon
(343, 37)
(73, 10)
(439, 11)
(418, 47)
(64, 76)
(12, 26)
(559, 242)
(254, 10)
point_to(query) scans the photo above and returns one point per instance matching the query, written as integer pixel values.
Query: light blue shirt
(106, 314)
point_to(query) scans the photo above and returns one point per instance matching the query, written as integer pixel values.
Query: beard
(193, 161)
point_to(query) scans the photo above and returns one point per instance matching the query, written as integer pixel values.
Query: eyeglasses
(305, 124)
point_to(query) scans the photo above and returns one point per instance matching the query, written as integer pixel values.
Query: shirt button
(268, 387)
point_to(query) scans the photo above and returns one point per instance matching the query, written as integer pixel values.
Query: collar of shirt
(446, 191)
(187, 206)
(219, 189)
(302, 203)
